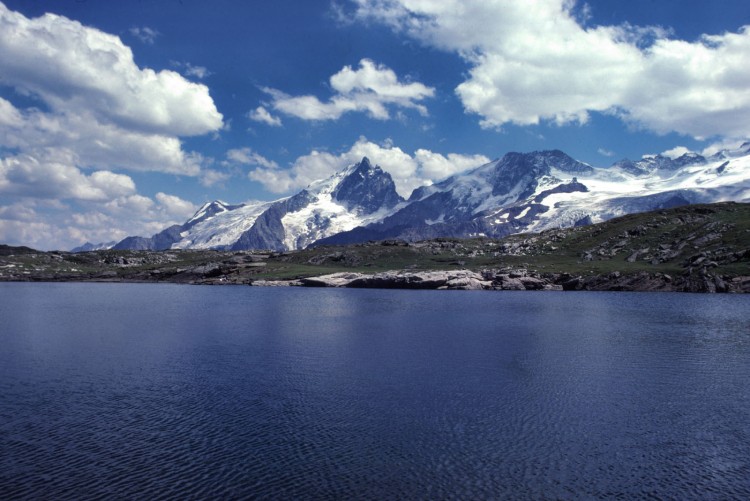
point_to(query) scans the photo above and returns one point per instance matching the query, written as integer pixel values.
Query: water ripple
(225, 393)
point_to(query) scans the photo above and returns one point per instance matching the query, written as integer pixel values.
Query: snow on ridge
(720, 177)
(714, 181)
(222, 229)
(325, 217)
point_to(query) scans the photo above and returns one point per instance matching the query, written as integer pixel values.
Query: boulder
(533, 284)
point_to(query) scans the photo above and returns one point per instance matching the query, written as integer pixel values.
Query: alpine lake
(154, 391)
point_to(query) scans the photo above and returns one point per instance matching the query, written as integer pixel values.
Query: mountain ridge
(516, 193)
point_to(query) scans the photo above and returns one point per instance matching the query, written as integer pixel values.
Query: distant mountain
(519, 192)
(355, 196)
(358, 195)
(88, 246)
(541, 190)
(454, 207)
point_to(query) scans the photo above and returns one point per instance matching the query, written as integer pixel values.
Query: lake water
(173, 391)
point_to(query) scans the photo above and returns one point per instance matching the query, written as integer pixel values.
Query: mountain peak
(561, 161)
(367, 187)
(365, 162)
(210, 209)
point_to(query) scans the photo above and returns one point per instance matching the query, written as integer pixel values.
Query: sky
(122, 118)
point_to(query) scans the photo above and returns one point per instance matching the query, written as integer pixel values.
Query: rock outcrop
(454, 280)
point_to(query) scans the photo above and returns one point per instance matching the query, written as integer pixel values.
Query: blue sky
(120, 118)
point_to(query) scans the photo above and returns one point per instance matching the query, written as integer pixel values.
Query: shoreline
(461, 279)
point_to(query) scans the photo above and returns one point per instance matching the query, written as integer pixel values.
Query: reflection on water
(145, 390)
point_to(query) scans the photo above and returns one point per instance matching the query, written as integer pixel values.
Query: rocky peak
(556, 159)
(652, 163)
(522, 171)
(208, 210)
(689, 159)
(646, 165)
(368, 188)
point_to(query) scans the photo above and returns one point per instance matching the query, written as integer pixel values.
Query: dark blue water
(167, 391)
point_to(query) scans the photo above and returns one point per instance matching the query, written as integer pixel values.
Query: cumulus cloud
(372, 88)
(93, 112)
(56, 205)
(408, 171)
(50, 224)
(36, 234)
(74, 67)
(535, 61)
(261, 114)
(94, 143)
(54, 178)
(99, 104)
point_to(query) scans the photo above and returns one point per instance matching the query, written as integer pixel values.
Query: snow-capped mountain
(548, 189)
(356, 196)
(517, 193)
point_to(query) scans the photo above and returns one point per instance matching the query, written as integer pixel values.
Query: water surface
(148, 391)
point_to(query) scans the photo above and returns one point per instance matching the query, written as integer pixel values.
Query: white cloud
(199, 72)
(137, 204)
(435, 166)
(66, 206)
(605, 152)
(72, 67)
(97, 112)
(724, 144)
(175, 206)
(261, 114)
(145, 34)
(247, 156)
(676, 152)
(534, 61)
(94, 143)
(212, 177)
(280, 181)
(56, 178)
(371, 88)
(10, 117)
(112, 184)
(189, 70)
(100, 105)
(36, 234)
(408, 171)
(49, 224)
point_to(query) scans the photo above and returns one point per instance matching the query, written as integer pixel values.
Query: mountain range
(520, 192)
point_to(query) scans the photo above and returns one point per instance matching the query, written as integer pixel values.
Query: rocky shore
(521, 280)
(242, 268)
